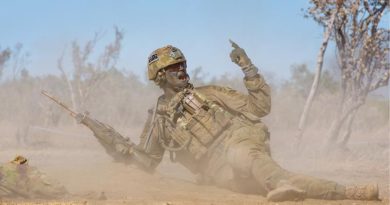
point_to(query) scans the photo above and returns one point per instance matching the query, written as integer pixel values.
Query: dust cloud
(38, 129)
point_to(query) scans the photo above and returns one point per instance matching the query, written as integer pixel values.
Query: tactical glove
(239, 57)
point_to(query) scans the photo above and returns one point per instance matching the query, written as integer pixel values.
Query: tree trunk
(347, 135)
(313, 90)
(334, 131)
(346, 113)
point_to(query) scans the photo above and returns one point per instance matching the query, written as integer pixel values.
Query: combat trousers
(243, 163)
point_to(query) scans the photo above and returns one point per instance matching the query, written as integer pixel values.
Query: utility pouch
(195, 123)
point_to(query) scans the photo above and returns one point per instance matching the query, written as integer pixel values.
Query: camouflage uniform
(237, 153)
(217, 132)
(19, 180)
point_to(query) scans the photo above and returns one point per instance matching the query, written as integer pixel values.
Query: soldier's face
(176, 75)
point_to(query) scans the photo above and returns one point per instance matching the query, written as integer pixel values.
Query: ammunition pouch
(195, 124)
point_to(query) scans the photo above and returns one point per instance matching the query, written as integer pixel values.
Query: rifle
(107, 136)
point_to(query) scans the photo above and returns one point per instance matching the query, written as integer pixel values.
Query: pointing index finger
(234, 45)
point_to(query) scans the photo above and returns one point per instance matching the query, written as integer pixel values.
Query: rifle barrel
(45, 93)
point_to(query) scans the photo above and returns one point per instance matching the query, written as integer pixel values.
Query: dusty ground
(76, 160)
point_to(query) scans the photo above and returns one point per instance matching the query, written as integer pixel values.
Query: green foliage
(329, 82)
(302, 78)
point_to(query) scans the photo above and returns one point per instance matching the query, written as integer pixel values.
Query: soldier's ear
(161, 74)
(160, 78)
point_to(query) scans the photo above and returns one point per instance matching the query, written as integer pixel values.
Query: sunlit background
(275, 34)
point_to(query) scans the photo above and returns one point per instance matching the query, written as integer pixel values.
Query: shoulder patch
(152, 58)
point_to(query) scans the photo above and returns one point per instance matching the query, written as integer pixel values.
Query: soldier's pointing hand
(239, 56)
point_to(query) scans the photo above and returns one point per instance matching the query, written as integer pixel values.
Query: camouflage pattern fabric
(242, 161)
(162, 58)
(19, 180)
(217, 133)
(238, 157)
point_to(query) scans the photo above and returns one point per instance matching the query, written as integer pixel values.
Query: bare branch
(68, 82)
(111, 53)
(367, 7)
(384, 81)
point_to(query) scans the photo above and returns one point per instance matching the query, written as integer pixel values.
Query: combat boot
(286, 192)
(365, 192)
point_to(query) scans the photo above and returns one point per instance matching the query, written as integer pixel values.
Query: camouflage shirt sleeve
(258, 100)
(254, 105)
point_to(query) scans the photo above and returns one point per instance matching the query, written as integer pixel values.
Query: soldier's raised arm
(258, 101)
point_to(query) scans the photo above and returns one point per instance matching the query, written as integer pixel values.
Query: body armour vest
(192, 125)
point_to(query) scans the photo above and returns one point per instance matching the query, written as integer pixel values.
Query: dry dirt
(73, 157)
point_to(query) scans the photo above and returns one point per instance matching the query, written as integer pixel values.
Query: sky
(274, 33)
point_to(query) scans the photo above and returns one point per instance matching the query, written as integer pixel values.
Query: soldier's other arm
(121, 148)
(149, 140)
(148, 154)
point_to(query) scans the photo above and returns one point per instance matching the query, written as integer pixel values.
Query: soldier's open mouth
(182, 76)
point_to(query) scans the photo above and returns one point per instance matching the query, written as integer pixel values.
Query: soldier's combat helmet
(162, 58)
(19, 160)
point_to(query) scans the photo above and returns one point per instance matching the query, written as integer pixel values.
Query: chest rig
(193, 124)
